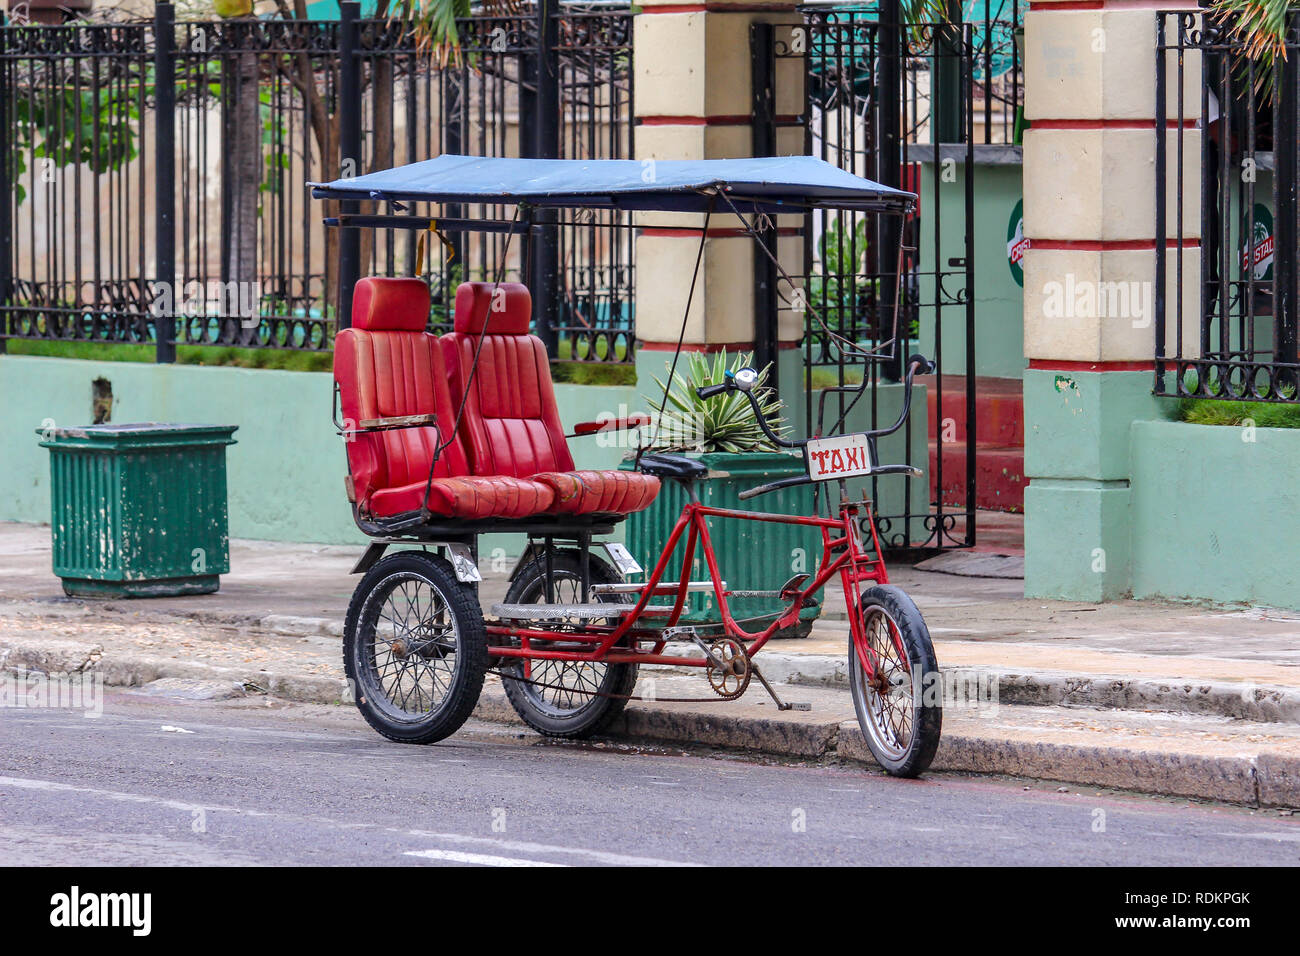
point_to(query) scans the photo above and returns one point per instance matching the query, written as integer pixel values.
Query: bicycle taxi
(454, 436)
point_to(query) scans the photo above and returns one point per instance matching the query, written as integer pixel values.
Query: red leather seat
(387, 366)
(511, 425)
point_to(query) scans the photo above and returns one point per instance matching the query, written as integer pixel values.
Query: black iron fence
(1227, 168)
(863, 112)
(983, 33)
(155, 172)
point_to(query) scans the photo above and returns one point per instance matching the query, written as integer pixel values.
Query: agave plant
(723, 423)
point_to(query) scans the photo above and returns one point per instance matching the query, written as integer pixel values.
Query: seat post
(584, 562)
(549, 543)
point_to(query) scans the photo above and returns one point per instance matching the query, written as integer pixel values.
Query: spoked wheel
(899, 706)
(563, 698)
(415, 648)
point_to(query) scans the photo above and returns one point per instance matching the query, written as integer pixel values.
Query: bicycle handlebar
(916, 363)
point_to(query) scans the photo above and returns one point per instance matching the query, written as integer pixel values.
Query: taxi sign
(844, 456)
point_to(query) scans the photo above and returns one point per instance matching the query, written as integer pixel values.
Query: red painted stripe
(1109, 124)
(720, 232)
(1055, 365)
(1107, 245)
(707, 346)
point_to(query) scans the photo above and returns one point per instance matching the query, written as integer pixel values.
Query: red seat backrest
(511, 425)
(387, 365)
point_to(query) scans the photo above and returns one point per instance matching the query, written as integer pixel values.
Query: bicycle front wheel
(897, 692)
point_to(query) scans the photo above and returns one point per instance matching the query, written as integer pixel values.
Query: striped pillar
(1089, 186)
(693, 69)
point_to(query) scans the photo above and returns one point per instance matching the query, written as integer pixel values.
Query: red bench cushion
(473, 497)
(605, 492)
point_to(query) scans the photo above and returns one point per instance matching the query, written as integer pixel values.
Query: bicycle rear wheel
(565, 698)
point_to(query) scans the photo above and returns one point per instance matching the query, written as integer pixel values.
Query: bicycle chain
(599, 693)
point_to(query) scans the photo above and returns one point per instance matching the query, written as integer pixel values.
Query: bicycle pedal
(797, 705)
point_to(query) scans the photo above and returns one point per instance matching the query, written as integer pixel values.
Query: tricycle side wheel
(414, 648)
(899, 707)
(572, 705)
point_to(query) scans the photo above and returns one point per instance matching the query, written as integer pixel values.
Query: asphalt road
(246, 783)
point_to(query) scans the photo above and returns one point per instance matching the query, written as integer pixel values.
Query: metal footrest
(556, 612)
(663, 588)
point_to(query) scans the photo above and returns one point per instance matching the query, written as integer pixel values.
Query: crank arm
(780, 704)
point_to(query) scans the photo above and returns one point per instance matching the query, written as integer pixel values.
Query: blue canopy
(770, 184)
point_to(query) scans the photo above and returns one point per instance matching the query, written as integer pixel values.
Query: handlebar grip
(927, 367)
(708, 391)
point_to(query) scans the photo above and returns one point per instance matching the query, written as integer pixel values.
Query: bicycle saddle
(664, 465)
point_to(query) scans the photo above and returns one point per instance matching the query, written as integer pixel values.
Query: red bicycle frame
(842, 553)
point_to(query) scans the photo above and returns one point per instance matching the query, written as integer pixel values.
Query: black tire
(902, 725)
(560, 713)
(414, 681)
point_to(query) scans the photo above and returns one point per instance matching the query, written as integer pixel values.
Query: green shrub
(1208, 411)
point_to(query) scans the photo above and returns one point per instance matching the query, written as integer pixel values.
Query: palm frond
(1260, 26)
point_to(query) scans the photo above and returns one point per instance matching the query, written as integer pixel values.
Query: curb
(1266, 779)
(1270, 780)
(1264, 703)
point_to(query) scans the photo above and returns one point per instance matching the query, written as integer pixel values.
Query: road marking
(476, 859)
(1275, 835)
(518, 846)
(23, 783)
(600, 856)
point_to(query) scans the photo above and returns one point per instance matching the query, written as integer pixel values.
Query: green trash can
(751, 556)
(139, 510)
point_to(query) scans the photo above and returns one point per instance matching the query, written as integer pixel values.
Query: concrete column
(694, 101)
(1089, 179)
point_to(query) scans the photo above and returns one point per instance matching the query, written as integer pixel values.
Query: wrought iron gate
(875, 100)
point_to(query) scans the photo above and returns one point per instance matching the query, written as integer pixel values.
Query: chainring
(729, 669)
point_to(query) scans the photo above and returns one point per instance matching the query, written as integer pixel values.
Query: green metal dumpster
(751, 556)
(139, 510)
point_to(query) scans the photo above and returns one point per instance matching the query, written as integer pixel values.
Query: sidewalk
(1161, 697)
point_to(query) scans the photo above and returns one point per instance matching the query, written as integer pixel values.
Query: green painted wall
(1215, 512)
(999, 300)
(1123, 501)
(1077, 458)
(286, 470)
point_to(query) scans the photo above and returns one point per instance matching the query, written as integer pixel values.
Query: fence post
(1162, 228)
(6, 193)
(546, 145)
(1286, 165)
(888, 172)
(164, 29)
(349, 151)
(763, 143)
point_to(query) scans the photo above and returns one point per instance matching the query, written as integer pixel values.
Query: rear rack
(663, 588)
(552, 612)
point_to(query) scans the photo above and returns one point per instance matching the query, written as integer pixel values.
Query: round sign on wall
(1260, 259)
(1017, 244)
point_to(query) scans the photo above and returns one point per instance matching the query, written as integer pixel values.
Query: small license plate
(622, 558)
(844, 456)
